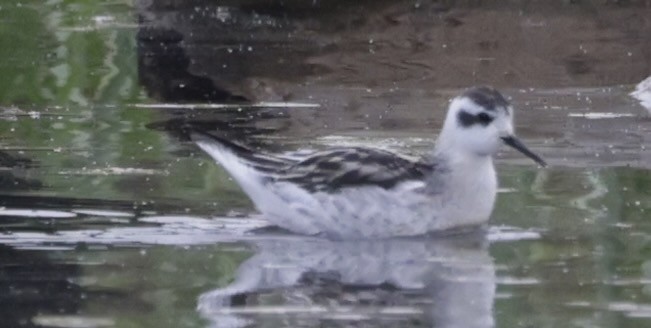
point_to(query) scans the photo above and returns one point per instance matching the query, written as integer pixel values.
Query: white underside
(368, 211)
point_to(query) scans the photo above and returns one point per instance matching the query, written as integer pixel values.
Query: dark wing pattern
(262, 162)
(328, 170)
(334, 169)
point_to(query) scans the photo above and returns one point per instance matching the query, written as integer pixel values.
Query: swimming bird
(362, 193)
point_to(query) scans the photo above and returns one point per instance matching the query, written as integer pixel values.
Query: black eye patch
(466, 119)
(484, 119)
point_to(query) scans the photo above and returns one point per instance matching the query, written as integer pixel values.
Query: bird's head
(479, 121)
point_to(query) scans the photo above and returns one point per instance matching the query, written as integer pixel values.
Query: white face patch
(477, 129)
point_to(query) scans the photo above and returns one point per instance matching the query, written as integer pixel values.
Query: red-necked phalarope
(370, 193)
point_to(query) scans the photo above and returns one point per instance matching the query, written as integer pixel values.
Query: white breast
(469, 195)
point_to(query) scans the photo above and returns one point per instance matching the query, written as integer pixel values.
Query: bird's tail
(229, 154)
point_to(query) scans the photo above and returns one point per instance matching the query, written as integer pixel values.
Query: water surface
(109, 219)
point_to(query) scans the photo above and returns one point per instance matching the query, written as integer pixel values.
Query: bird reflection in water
(295, 281)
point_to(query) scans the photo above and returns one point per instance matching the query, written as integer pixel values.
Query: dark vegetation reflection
(34, 288)
(32, 284)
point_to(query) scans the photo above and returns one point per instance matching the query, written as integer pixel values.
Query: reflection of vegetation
(75, 63)
(22, 33)
(156, 286)
(571, 199)
(595, 246)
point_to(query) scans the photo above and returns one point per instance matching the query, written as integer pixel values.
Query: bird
(366, 193)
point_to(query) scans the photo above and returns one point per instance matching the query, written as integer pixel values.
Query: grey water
(108, 218)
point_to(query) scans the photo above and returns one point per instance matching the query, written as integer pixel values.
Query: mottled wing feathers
(347, 167)
(328, 170)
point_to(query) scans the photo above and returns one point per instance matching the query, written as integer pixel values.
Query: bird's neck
(459, 159)
(467, 174)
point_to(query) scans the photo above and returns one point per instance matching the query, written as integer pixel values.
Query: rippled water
(108, 219)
